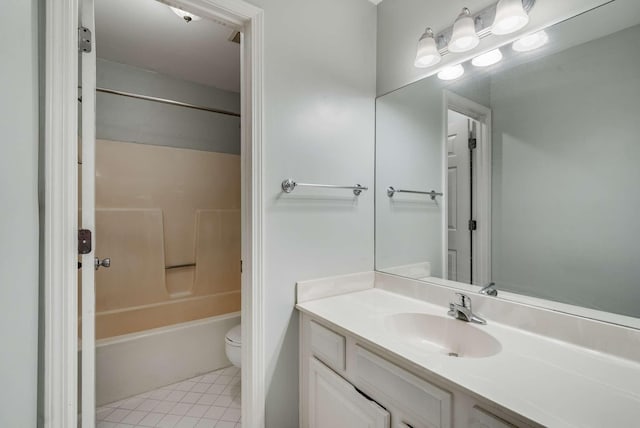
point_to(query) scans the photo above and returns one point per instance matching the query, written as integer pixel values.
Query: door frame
(482, 184)
(60, 379)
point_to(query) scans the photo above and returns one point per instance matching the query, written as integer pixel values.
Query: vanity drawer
(419, 403)
(481, 418)
(327, 346)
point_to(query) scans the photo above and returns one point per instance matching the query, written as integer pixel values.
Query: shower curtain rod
(166, 101)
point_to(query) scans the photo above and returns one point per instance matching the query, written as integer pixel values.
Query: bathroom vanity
(518, 176)
(380, 351)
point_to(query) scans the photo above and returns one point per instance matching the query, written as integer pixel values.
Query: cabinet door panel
(335, 403)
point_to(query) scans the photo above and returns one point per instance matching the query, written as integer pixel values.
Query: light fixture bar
(483, 20)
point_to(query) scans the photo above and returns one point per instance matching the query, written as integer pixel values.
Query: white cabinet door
(335, 403)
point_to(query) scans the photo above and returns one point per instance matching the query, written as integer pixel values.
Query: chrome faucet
(463, 311)
(489, 289)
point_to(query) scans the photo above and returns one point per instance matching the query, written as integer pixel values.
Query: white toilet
(232, 345)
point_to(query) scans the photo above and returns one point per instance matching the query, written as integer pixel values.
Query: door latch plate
(84, 241)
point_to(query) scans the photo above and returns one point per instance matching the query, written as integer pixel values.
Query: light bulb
(487, 59)
(531, 42)
(463, 36)
(427, 53)
(188, 17)
(451, 73)
(510, 17)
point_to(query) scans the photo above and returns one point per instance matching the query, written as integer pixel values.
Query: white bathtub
(134, 363)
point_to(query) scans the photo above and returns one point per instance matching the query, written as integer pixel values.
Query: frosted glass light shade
(531, 42)
(451, 73)
(185, 15)
(487, 59)
(427, 54)
(510, 17)
(463, 37)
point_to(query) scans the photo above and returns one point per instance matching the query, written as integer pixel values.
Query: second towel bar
(391, 191)
(289, 184)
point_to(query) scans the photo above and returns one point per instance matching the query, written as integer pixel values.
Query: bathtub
(135, 363)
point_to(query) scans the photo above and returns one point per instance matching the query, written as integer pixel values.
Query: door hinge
(473, 143)
(240, 266)
(84, 40)
(473, 225)
(84, 241)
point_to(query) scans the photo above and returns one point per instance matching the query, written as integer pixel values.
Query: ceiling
(147, 34)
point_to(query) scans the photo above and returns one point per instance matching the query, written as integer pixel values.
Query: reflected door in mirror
(459, 198)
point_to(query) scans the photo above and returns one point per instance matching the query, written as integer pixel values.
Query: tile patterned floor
(207, 401)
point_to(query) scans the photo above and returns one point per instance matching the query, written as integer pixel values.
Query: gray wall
(19, 213)
(319, 119)
(126, 119)
(566, 175)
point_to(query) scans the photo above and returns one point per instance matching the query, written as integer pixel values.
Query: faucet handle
(465, 301)
(452, 310)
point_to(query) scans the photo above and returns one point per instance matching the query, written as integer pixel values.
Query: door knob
(104, 262)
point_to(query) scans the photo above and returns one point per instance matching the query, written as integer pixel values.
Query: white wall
(319, 118)
(401, 22)
(19, 212)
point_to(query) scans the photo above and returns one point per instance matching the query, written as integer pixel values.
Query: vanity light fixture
(188, 17)
(487, 59)
(531, 42)
(510, 17)
(503, 17)
(464, 36)
(427, 54)
(451, 73)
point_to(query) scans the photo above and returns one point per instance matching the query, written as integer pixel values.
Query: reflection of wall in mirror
(409, 156)
(565, 175)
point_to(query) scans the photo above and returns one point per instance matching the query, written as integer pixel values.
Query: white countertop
(547, 381)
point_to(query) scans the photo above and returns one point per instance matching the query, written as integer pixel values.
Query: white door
(87, 61)
(459, 198)
(335, 403)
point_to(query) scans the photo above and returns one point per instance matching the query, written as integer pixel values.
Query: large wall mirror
(525, 173)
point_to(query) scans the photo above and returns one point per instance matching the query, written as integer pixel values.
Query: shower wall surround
(158, 208)
(167, 203)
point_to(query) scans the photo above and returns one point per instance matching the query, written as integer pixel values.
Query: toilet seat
(233, 345)
(234, 336)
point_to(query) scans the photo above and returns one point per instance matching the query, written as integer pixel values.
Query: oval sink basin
(448, 336)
